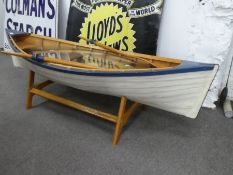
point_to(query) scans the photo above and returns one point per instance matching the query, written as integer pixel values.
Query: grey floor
(51, 139)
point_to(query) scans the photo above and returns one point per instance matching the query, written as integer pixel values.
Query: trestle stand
(120, 120)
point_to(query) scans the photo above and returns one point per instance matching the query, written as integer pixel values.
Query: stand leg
(30, 86)
(120, 120)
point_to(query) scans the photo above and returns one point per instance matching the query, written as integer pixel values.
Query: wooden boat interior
(89, 55)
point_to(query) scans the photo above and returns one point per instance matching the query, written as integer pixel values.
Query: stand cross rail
(119, 120)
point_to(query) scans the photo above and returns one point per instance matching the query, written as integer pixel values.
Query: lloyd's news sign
(32, 16)
(128, 25)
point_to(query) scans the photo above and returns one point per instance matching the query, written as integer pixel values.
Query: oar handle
(17, 54)
(101, 45)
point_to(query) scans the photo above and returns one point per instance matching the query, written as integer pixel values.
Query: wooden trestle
(119, 120)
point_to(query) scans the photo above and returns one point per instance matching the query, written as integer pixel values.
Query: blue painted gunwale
(184, 67)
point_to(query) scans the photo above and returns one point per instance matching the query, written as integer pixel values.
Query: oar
(118, 52)
(50, 60)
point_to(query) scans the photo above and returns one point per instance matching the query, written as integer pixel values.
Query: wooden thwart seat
(119, 120)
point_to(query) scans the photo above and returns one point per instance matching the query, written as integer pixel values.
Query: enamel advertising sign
(32, 16)
(128, 25)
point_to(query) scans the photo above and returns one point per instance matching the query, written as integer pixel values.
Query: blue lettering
(14, 9)
(29, 28)
(9, 21)
(26, 6)
(20, 12)
(38, 30)
(51, 16)
(33, 8)
(7, 9)
(15, 24)
(36, 8)
(49, 33)
(21, 27)
(41, 8)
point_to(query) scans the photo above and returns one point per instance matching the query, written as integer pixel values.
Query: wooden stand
(120, 120)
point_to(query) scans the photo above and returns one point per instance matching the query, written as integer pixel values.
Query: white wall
(199, 32)
(173, 37)
(63, 16)
(1, 23)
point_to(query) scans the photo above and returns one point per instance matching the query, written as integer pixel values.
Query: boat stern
(17, 62)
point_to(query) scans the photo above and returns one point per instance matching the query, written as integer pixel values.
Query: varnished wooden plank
(130, 111)
(30, 86)
(120, 120)
(43, 84)
(74, 105)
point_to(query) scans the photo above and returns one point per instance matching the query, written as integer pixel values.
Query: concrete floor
(51, 139)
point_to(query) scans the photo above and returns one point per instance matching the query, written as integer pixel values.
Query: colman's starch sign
(32, 16)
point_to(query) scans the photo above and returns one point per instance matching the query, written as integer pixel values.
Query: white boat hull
(181, 93)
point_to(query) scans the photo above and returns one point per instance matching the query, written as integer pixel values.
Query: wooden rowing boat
(169, 84)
